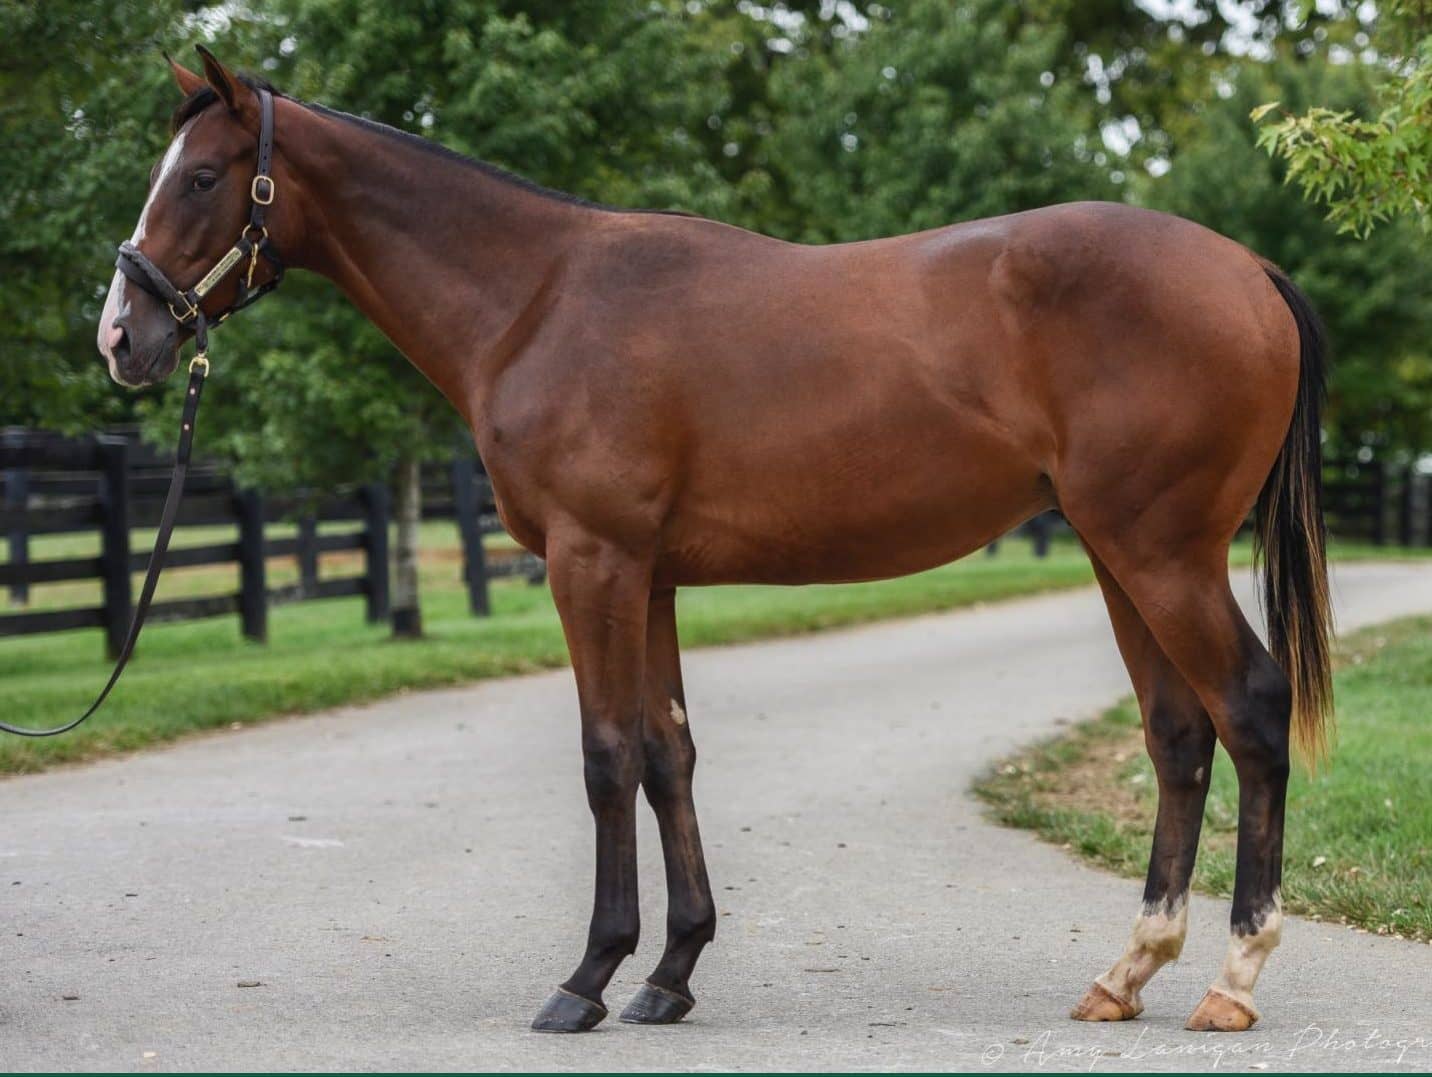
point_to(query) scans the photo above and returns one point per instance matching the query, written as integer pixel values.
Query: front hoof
(654, 1005)
(1101, 1004)
(1221, 1013)
(566, 1012)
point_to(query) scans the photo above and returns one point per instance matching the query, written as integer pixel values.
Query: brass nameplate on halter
(219, 272)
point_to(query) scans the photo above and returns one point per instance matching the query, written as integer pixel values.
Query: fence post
(253, 582)
(308, 555)
(469, 529)
(1040, 527)
(1379, 501)
(17, 496)
(375, 543)
(1407, 508)
(1427, 510)
(113, 456)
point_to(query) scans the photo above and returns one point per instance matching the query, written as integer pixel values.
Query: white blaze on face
(171, 161)
(108, 333)
(1156, 940)
(114, 303)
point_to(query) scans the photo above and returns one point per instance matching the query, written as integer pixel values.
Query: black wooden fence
(1373, 503)
(113, 484)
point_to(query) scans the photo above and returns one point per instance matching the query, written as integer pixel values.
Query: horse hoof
(566, 1012)
(1101, 1004)
(654, 1005)
(1221, 1013)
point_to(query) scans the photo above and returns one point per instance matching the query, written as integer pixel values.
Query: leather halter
(252, 243)
(184, 306)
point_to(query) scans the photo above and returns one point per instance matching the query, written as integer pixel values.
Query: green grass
(200, 675)
(1359, 832)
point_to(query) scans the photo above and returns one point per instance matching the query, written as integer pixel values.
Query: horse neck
(441, 255)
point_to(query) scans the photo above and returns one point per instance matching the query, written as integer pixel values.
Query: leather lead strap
(197, 373)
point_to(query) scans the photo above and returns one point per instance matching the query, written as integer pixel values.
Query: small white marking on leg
(1157, 939)
(1198, 775)
(677, 714)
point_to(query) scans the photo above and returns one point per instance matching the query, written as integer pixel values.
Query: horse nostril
(119, 344)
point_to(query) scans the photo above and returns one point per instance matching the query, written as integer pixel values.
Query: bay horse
(664, 401)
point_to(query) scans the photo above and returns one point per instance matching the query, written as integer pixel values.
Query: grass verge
(201, 675)
(1359, 833)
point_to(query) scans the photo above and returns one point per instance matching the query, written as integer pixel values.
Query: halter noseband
(253, 241)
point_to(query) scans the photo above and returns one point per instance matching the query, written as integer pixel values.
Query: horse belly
(848, 510)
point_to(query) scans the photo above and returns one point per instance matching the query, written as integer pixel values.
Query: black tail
(1289, 536)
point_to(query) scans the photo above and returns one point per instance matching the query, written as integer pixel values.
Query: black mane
(205, 96)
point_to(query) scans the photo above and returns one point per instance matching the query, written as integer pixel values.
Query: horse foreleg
(601, 592)
(670, 762)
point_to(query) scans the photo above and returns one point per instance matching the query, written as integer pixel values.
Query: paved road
(406, 881)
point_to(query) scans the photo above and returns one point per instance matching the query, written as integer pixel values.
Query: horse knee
(612, 764)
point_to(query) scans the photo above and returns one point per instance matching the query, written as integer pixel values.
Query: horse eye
(204, 181)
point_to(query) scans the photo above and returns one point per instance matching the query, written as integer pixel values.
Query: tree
(939, 113)
(83, 101)
(1373, 162)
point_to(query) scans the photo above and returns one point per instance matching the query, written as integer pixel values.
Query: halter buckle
(191, 312)
(267, 197)
(199, 362)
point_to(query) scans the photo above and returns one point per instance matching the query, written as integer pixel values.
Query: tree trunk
(407, 613)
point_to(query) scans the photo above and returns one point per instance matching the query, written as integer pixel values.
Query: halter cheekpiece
(253, 243)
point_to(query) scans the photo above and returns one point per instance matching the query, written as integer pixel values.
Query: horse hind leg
(1182, 594)
(666, 996)
(1180, 739)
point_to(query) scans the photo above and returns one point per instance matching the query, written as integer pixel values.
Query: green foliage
(940, 113)
(83, 96)
(1371, 164)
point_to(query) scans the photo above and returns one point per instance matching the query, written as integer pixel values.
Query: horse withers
(663, 401)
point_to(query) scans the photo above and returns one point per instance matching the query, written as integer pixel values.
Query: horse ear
(187, 80)
(225, 83)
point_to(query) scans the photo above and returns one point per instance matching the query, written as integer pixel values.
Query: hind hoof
(566, 1012)
(1101, 1004)
(654, 1005)
(1221, 1013)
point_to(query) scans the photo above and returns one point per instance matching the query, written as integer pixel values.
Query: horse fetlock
(692, 926)
(1228, 1005)
(1156, 939)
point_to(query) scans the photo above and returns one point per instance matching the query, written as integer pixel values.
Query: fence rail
(113, 484)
